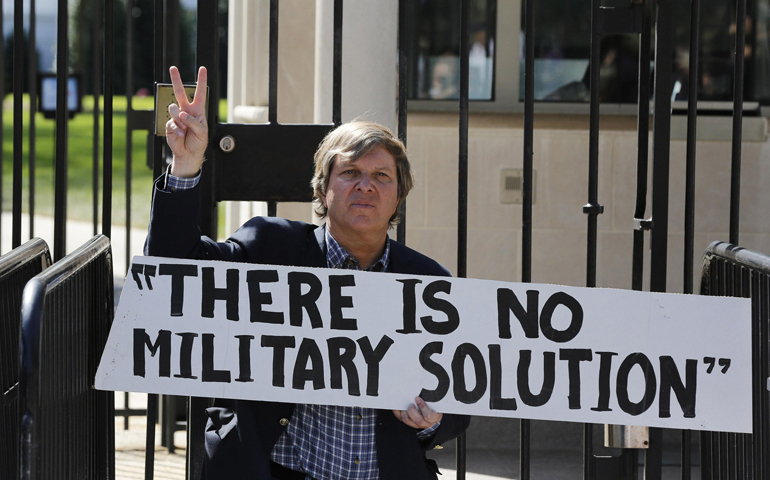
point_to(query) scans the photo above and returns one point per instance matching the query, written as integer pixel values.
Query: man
(362, 174)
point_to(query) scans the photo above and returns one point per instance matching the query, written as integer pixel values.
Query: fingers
(173, 129)
(426, 412)
(174, 111)
(200, 89)
(179, 93)
(419, 416)
(197, 125)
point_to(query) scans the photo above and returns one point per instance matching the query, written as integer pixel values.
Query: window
(562, 46)
(434, 46)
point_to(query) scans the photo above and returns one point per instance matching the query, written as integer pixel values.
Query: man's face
(362, 196)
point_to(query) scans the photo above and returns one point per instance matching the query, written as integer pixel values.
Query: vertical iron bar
(592, 208)
(757, 363)
(664, 41)
(403, 29)
(272, 209)
(60, 192)
(273, 72)
(526, 212)
(462, 191)
(529, 128)
(593, 146)
(643, 147)
(158, 160)
(763, 437)
(337, 76)
(97, 71)
(32, 112)
(158, 165)
(149, 447)
(129, 113)
(206, 51)
(207, 48)
(109, 64)
(735, 175)
(661, 144)
(692, 119)
(18, 122)
(689, 208)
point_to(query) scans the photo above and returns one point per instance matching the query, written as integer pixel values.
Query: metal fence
(16, 268)
(640, 17)
(732, 271)
(67, 427)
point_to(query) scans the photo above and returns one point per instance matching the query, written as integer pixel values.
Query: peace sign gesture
(187, 132)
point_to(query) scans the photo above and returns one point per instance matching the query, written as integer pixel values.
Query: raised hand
(187, 133)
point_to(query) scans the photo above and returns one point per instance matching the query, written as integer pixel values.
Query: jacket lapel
(316, 253)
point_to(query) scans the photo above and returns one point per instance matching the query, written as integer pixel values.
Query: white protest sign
(479, 347)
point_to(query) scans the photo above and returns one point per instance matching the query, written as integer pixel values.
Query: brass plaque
(164, 97)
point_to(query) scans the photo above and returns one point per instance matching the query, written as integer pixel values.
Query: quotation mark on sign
(723, 362)
(148, 271)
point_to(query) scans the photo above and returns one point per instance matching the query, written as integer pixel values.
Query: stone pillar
(369, 70)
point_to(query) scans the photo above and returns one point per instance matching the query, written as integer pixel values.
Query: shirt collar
(337, 257)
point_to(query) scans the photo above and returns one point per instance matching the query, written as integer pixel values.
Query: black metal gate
(296, 143)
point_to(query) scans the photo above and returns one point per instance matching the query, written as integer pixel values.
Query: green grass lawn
(80, 163)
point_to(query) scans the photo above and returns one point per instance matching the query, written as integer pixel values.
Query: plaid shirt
(177, 183)
(326, 441)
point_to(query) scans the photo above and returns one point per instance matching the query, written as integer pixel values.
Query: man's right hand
(187, 133)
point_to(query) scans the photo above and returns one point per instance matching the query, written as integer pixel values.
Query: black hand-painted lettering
(162, 343)
(684, 391)
(136, 270)
(576, 322)
(309, 366)
(725, 364)
(710, 361)
(279, 346)
(244, 358)
(507, 302)
(437, 370)
(257, 298)
(307, 301)
(373, 357)
(149, 271)
(549, 379)
(621, 387)
(573, 357)
(209, 373)
(605, 368)
(342, 351)
(410, 305)
(440, 305)
(461, 392)
(177, 273)
(229, 293)
(337, 302)
(185, 355)
(496, 400)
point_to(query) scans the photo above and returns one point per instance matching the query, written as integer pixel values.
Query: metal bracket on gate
(593, 209)
(642, 224)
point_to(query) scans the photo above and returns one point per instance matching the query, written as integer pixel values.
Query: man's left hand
(419, 415)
